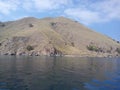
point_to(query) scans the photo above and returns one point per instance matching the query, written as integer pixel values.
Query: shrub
(53, 24)
(30, 25)
(76, 21)
(65, 43)
(2, 24)
(118, 42)
(118, 50)
(29, 48)
(50, 42)
(93, 48)
(72, 43)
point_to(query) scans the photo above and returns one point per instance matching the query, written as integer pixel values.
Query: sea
(59, 73)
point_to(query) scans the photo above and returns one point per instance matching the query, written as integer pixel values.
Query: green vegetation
(50, 42)
(93, 48)
(31, 25)
(76, 21)
(2, 25)
(72, 43)
(29, 48)
(118, 50)
(65, 43)
(118, 42)
(53, 24)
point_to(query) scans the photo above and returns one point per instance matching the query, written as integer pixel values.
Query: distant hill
(54, 36)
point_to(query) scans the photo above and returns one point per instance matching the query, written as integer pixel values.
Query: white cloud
(27, 5)
(109, 7)
(86, 11)
(96, 12)
(44, 5)
(84, 16)
(7, 6)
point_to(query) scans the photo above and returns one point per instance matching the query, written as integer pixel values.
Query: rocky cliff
(54, 37)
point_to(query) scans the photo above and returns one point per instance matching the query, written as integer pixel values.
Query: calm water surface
(59, 73)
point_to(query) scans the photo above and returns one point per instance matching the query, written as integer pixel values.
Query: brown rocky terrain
(55, 37)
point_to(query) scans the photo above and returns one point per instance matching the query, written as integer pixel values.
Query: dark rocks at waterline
(56, 53)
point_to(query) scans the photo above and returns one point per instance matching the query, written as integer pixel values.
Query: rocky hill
(54, 36)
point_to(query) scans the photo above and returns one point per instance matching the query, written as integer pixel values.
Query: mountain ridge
(53, 36)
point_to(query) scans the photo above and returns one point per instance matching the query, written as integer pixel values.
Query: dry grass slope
(53, 36)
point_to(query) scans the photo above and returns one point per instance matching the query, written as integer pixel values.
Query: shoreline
(89, 56)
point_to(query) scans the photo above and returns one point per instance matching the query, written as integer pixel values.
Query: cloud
(44, 5)
(50, 4)
(7, 6)
(84, 16)
(97, 12)
(110, 8)
(85, 11)
(27, 5)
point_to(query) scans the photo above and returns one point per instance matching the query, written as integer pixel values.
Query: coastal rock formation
(54, 37)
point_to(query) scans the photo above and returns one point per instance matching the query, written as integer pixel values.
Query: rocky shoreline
(61, 55)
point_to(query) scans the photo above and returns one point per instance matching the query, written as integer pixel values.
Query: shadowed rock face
(53, 37)
(2, 24)
(19, 46)
(14, 45)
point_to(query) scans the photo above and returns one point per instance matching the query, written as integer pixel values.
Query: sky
(100, 15)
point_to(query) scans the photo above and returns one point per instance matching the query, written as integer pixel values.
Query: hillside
(54, 36)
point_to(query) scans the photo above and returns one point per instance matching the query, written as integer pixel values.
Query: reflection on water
(59, 73)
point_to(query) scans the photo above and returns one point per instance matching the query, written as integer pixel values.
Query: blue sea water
(59, 73)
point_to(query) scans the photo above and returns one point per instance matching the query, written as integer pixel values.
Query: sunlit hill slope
(55, 37)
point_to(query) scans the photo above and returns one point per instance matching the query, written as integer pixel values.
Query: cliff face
(53, 36)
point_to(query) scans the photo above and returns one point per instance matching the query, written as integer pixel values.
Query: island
(58, 36)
